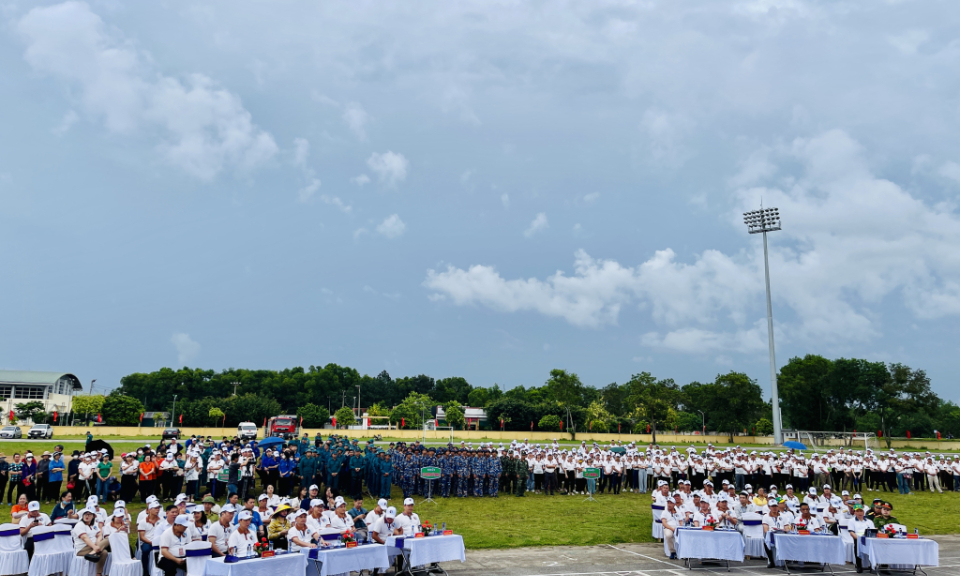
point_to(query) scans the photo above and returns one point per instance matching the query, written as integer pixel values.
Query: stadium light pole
(760, 222)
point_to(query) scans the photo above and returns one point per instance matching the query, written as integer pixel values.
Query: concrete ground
(638, 560)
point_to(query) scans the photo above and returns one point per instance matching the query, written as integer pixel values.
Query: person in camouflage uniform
(522, 473)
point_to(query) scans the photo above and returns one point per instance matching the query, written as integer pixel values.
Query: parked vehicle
(247, 431)
(41, 431)
(284, 426)
(169, 433)
(11, 432)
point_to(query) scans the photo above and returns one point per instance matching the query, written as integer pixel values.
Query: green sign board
(430, 473)
(591, 473)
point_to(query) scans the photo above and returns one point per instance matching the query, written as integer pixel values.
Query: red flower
(263, 539)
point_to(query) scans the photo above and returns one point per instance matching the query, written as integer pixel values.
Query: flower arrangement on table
(349, 538)
(709, 523)
(261, 547)
(428, 528)
(887, 530)
(801, 526)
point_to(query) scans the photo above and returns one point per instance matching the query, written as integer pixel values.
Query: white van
(247, 431)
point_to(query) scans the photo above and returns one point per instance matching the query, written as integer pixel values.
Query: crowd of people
(235, 493)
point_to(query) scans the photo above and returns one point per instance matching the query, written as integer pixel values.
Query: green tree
(549, 422)
(345, 417)
(313, 416)
(27, 410)
(764, 427)
(654, 400)
(735, 402)
(478, 398)
(216, 414)
(121, 410)
(412, 410)
(564, 387)
(454, 415)
(89, 404)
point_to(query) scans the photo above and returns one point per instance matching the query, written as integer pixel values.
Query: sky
(486, 189)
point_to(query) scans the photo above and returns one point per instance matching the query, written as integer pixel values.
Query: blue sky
(478, 189)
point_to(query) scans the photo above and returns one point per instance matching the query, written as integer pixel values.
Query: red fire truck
(284, 426)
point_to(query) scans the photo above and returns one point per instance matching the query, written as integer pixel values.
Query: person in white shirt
(173, 554)
(87, 538)
(377, 513)
(339, 519)
(149, 537)
(703, 516)
(671, 519)
(384, 526)
(316, 519)
(806, 521)
(116, 525)
(33, 519)
(243, 539)
(301, 535)
(199, 524)
(219, 533)
(409, 521)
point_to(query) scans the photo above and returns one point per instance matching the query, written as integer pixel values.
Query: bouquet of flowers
(349, 538)
(260, 547)
(710, 522)
(888, 529)
(428, 528)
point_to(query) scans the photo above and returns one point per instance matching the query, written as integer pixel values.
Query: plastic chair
(13, 558)
(64, 540)
(69, 521)
(47, 557)
(752, 524)
(198, 553)
(657, 526)
(121, 564)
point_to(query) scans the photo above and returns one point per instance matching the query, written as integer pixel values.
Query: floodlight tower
(760, 222)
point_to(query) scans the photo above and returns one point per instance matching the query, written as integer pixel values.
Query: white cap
(316, 502)
(119, 504)
(408, 502)
(262, 497)
(812, 490)
(92, 500)
(118, 513)
(152, 498)
(390, 513)
(154, 504)
(339, 501)
(246, 515)
(314, 487)
(33, 506)
(88, 511)
(182, 520)
(229, 508)
(382, 503)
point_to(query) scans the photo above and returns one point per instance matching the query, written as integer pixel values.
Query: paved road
(637, 560)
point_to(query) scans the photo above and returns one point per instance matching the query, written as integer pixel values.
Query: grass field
(538, 520)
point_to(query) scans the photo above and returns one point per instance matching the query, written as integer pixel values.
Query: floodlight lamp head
(763, 220)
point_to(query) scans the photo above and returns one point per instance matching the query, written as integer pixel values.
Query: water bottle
(444, 528)
(271, 546)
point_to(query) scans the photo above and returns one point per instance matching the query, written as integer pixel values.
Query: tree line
(816, 394)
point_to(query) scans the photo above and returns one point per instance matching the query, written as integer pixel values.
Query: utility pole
(234, 384)
(343, 399)
(760, 222)
(173, 414)
(91, 386)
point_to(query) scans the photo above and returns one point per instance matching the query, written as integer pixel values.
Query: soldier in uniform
(426, 486)
(386, 476)
(494, 473)
(409, 480)
(447, 470)
(463, 474)
(479, 471)
(507, 469)
(522, 473)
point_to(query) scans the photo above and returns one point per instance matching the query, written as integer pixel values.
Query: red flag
(403, 422)
(436, 422)
(11, 416)
(618, 427)
(501, 423)
(222, 424)
(265, 422)
(854, 430)
(368, 422)
(879, 433)
(938, 434)
(181, 418)
(54, 415)
(648, 428)
(531, 423)
(334, 421)
(301, 421)
(908, 434)
(141, 416)
(99, 418)
(561, 425)
(591, 424)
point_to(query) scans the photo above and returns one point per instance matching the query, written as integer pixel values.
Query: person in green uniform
(522, 473)
(885, 517)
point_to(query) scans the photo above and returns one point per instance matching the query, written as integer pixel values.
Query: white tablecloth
(814, 548)
(435, 549)
(707, 544)
(286, 565)
(899, 552)
(343, 560)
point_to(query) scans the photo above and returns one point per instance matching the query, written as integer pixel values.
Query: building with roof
(55, 389)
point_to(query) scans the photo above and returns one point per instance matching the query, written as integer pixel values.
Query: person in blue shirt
(250, 504)
(55, 477)
(64, 508)
(356, 475)
(286, 468)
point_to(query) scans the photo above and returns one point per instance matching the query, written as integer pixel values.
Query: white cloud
(505, 200)
(850, 240)
(910, 41)
(361, 180)
(206, 128)
(539, 224)
(69, 119)
(356, 118)
(187, 348)
(392, 227)
(591, 197)
(301, 152)
(390, 167)
(309, 190)
(950, 169)
(359, 232)
(335, 201)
